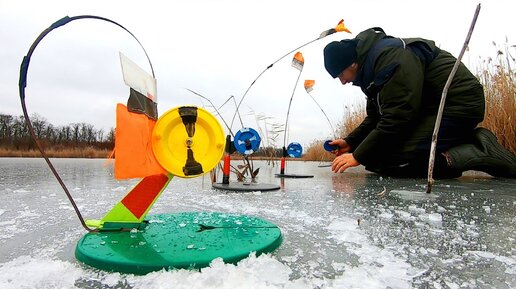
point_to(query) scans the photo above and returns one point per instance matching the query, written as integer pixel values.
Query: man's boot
(486, 155)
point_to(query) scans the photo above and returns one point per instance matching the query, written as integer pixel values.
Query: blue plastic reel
(294, 150)
(329, 147)
(247, 141)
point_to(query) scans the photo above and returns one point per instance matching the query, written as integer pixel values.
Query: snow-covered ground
(337, 232)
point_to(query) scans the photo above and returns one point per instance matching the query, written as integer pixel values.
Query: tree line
(15, 135)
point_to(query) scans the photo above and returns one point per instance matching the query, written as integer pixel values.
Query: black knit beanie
(338, 55)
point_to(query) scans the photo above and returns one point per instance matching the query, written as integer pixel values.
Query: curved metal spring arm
(22, 84)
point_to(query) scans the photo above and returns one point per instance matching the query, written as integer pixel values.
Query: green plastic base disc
(188, 240)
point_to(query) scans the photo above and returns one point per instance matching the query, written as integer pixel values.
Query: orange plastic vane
(134, 157)
(309, 85)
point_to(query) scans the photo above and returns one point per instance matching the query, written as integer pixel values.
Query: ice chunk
(385, 215)
(435, 217)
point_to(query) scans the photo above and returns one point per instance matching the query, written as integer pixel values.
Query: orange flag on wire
(341, 27)
(309, 85)
(298, 61)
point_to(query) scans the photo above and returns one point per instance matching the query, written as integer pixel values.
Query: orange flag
(309, 85)
(341, 27)
(298, 61)
(134, 157)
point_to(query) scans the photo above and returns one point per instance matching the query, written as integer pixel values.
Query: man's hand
(343, 162)
(343, 146)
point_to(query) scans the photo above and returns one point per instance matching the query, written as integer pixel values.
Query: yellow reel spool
(188, 141)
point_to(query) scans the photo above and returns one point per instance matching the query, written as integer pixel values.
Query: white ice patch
(2, 212)
(405, 216)
(486, 255)
(345, 230)
(252, 272)
(386, 216)
(434, 219)
(415, 209)
(28, 214)
(509, 262)
(119, 189)
(28, 272)
(65, 207)
(378, 268)
(9, 229)
(372, 276)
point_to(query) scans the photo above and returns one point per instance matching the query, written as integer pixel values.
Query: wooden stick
(443, 99)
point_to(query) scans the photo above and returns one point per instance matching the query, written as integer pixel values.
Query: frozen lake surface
(337, 232)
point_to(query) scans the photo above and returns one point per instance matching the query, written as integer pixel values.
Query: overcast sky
(217, 48)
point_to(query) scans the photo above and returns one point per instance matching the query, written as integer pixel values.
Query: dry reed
(352, 118)
(499, 83)
(87, 152)
(316, 152)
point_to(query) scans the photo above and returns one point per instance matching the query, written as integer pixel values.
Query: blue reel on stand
(294, 150)
(247, 141)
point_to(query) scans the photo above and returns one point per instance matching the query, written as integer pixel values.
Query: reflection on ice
(337, 232)
(413, 195)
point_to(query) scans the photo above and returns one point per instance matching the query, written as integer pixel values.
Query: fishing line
(23, 84)
(340, 27)
(216, 110)
(261, 73)
(232, 97)
(309, 84)
(229, 98)
(309, 87)
(298, 63)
